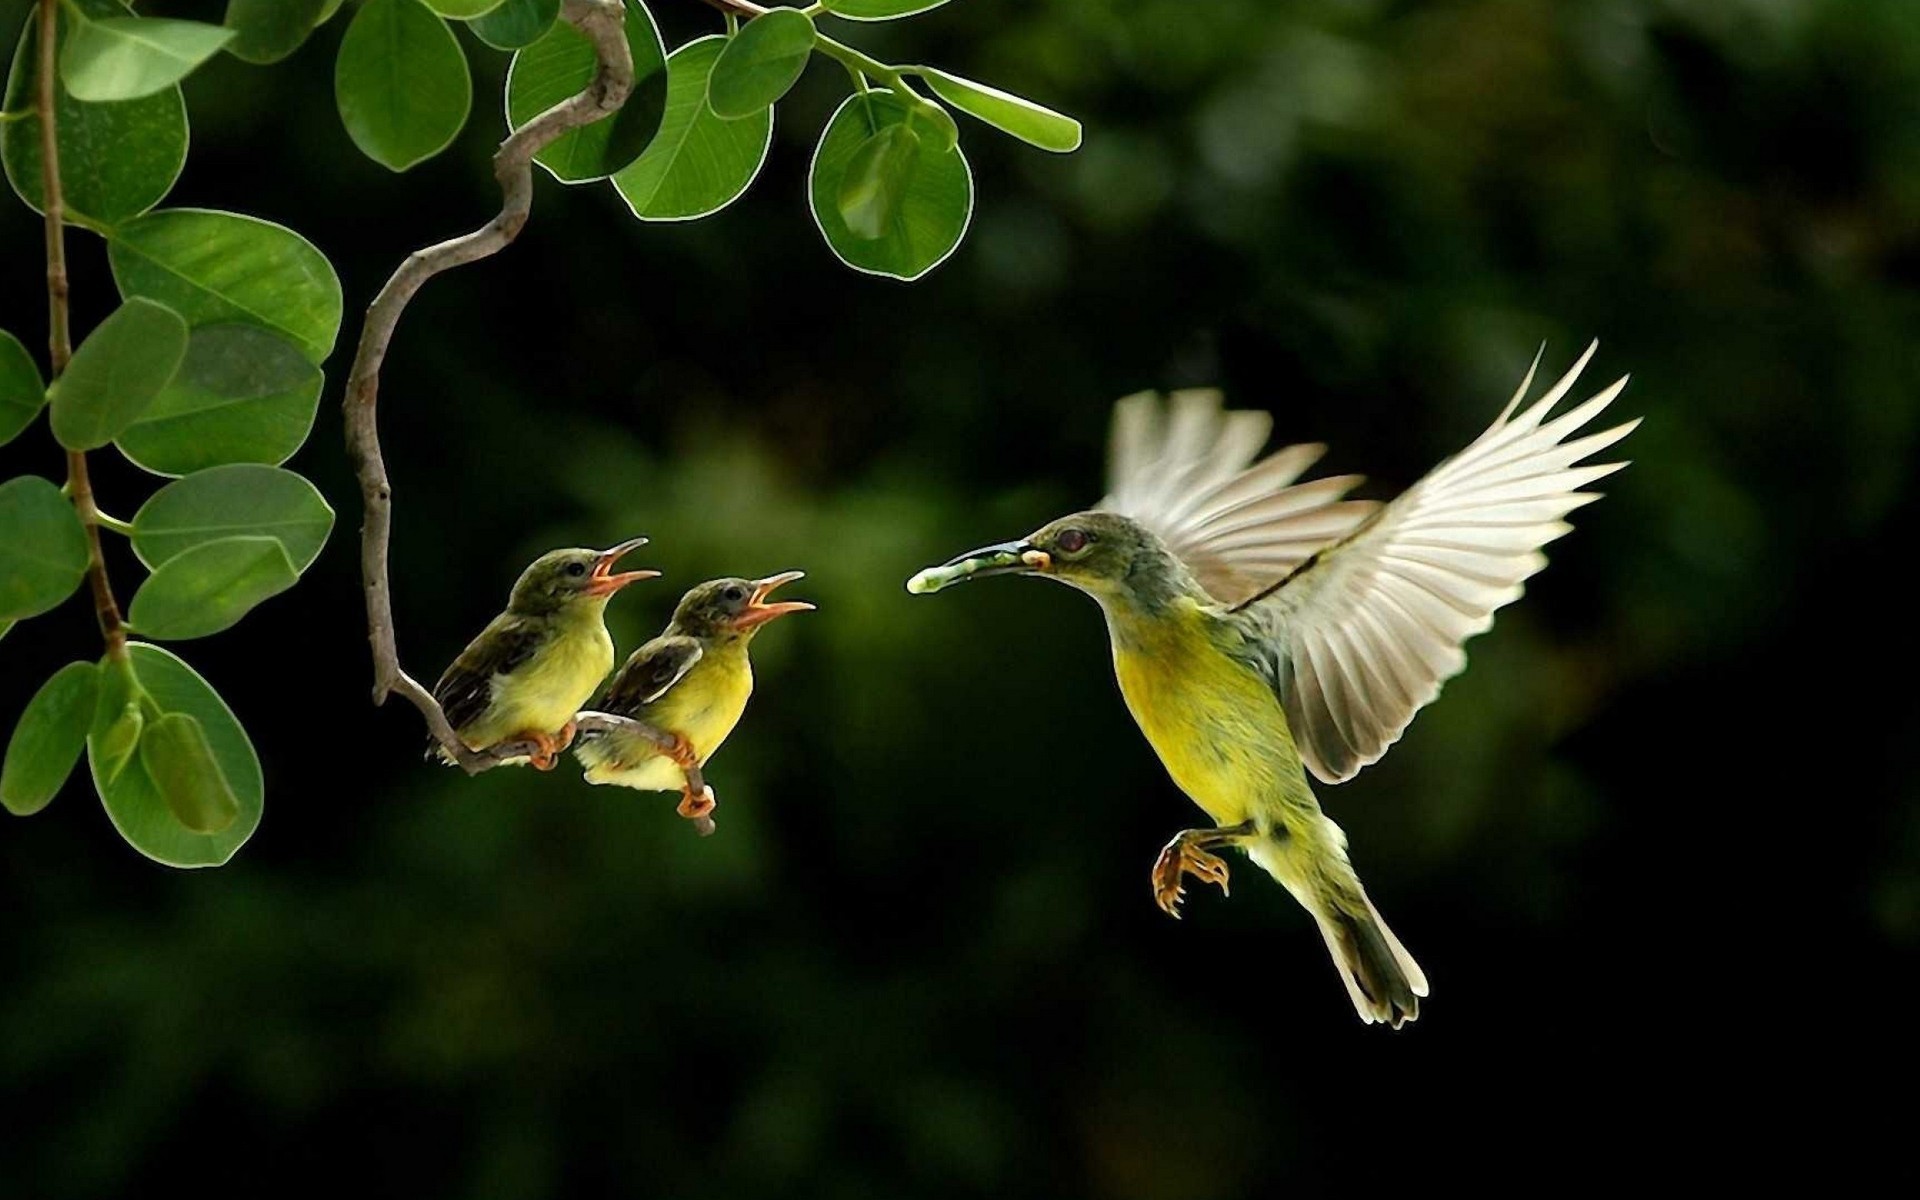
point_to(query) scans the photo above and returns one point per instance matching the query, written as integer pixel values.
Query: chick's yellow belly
(703, 708)
(1216, 725)
(544, 693)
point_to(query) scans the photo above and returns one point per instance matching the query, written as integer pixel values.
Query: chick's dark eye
(576, 569)
(1072, 541)
(736, 594)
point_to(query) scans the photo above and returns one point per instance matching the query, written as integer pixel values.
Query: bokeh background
(1658, 848)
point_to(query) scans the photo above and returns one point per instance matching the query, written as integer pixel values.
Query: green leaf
(6, 625)
(463, 10)
(876, 180)
(562, 63)
(218, 267)
(204, 590)
(135, 804)
(401, 82)
(760, 63)
(119, 715)
(516, 23)
(48, 740)
(1006, 112)
(935, 124)
(21, 390)
(266, 31)
(116, 373)
(179, 761)
(116, 160)
(43, 548)
(933, 210)
(879, 10)
(241, 395)
(125, 58)
(699, 163)
(243, 500)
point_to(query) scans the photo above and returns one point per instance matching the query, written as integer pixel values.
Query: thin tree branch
(602, 21)
(60, 336)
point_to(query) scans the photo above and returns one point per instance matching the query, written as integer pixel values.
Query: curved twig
(602, 21)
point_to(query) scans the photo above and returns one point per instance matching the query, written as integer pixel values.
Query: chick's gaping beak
(1019, 557)
(604, 581)
(759, 612)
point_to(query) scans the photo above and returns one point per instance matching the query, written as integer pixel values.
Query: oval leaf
(760, 63)
(516, 23)
(401, 82)
(463, 10)
(559, 65)
(879, 10)
(1006, 112)
(210, 587)
(43, 548)
(219, 267)
(116, 373)
(699, 163)
(266, 31)
(241, 395)
(179, 762)
(236, 501)
(21, 391)
(135, 804)
(125, 58)
(876, 179)
(116, 160)
(48, 740)
(931, 215)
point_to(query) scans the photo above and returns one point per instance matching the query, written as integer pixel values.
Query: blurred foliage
(1647, 847)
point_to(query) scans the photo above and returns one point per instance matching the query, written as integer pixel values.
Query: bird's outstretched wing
(650, 672)
(466, 688)
(1363, 635)
(1182, 470)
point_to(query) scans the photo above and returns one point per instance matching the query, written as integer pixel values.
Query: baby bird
(536, 664)
(692, 683)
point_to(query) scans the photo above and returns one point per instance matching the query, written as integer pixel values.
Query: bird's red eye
(1071, 541)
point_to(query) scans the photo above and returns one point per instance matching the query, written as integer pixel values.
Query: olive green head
(1101, 553)
(734, 608)
(561, 578)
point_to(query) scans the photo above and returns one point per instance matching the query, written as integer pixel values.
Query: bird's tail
(1381, 977)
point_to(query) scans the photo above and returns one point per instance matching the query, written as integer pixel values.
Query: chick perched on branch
(692, 683)
(537, 663)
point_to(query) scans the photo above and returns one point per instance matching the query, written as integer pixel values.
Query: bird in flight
(1266, 630)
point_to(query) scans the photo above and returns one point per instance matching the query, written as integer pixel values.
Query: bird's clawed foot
(693, 807)
(683, 754)
(548, 746)
(1187, 854)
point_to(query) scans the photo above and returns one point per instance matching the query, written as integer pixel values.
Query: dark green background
(1657, 849)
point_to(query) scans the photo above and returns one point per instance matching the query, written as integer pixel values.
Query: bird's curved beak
(759, 611)
(605, 581)
(1019, 557)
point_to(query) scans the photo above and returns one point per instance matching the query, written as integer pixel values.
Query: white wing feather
(1365, 634)
(1181, 469)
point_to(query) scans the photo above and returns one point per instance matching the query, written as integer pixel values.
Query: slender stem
(79, 486)
(109, 521)
(603, 23)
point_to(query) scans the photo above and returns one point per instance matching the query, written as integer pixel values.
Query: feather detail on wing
(1182, 470)
(651, 672)
(1366, 632)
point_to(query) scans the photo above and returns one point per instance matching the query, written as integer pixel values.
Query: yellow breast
(1216, 725)
(703, 707)
(544, 693)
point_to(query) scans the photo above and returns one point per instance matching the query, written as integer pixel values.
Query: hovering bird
(1263, 629)
(691, 683)
(537, 663)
